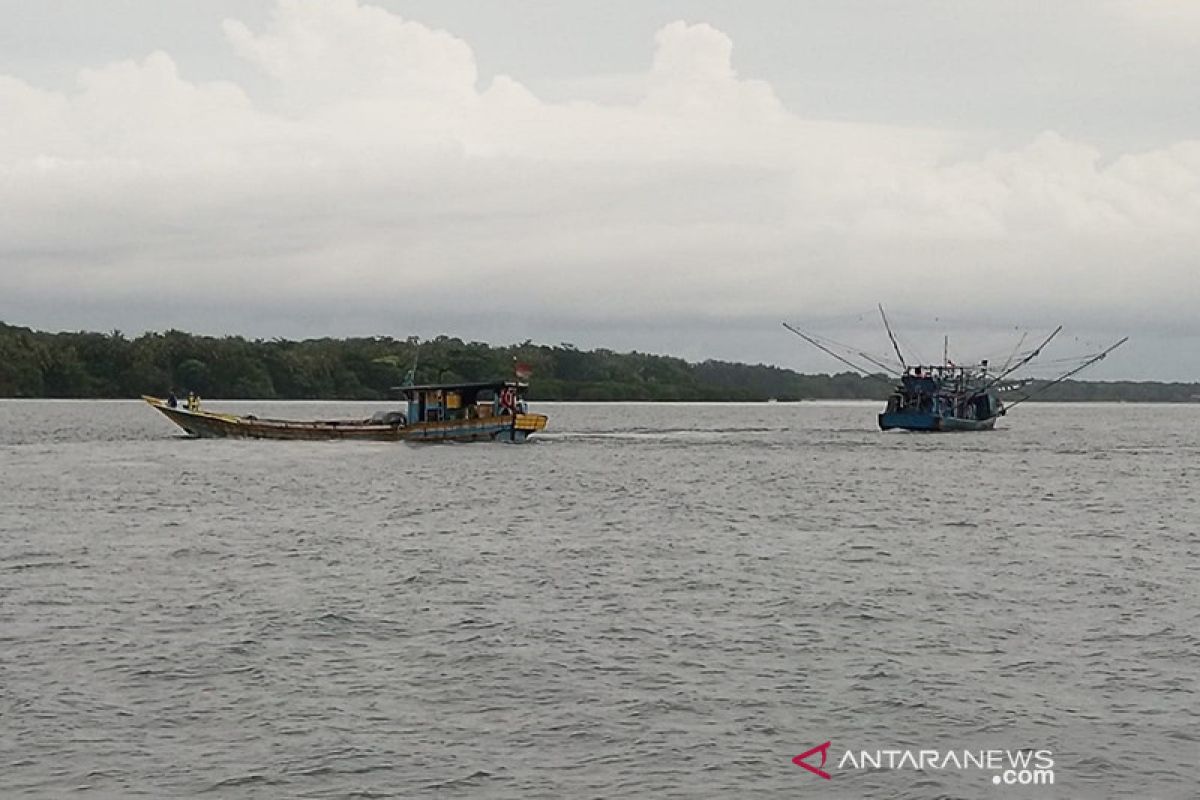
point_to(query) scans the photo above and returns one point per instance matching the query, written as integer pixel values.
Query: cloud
(378, 166)
(336, 51)
(1173, 21)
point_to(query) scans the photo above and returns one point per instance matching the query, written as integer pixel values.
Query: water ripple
(659, 601)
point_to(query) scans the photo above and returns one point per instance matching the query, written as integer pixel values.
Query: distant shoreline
(864, 401)
(98, 366)
(811, 401)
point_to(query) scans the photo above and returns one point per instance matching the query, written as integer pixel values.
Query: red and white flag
(522, 370)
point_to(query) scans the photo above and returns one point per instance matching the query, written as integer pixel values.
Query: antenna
(411, 378)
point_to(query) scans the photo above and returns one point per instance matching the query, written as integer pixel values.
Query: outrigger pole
(840, 358)
(1021, 341)
(1063, 377)
(1037, 352)
(885, 367)
(892, 336)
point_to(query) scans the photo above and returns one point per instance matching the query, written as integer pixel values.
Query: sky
(672, 177)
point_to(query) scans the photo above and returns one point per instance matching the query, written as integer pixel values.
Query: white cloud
(330, 51)
(380, 167)
(1176, 21)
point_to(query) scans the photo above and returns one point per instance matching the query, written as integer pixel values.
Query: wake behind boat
(459, 412)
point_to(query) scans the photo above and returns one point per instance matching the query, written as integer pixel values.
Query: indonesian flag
(522, 370)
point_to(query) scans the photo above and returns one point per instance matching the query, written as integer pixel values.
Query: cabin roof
(427, 387)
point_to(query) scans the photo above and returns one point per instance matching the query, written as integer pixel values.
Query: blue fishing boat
(948, 397)
(942, 398)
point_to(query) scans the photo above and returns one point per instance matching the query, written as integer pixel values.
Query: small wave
(37, 565)
(467, 780)
(252, 779)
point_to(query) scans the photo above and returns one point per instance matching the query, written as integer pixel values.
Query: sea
(648, 601)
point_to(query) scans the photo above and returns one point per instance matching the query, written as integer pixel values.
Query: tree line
(111, 365)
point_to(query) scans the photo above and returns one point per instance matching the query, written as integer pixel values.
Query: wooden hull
(210, 425)
(892, 420)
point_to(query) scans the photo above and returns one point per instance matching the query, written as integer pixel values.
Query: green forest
(111, 365)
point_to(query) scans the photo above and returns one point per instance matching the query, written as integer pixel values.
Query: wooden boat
(462, 412)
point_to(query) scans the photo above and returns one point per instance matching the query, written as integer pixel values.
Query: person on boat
(172, 400)
(193, 402)
(508, 401)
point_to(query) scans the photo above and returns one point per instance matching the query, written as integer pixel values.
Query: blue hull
(932, 422)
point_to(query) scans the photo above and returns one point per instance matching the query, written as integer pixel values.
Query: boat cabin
(944, 391)
(463, 401)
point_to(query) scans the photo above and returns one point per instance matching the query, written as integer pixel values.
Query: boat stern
(523, 426)
(892, 420)
(530, 423)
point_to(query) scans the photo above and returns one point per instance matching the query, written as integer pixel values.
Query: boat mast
(892, 336)
(411, 378)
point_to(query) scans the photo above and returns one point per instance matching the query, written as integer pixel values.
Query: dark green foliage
(34, 364)
(1109, 391)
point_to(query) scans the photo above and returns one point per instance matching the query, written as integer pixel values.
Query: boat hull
(894, 420)
(210, 425)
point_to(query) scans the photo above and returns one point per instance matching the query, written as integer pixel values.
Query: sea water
(650, 601)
